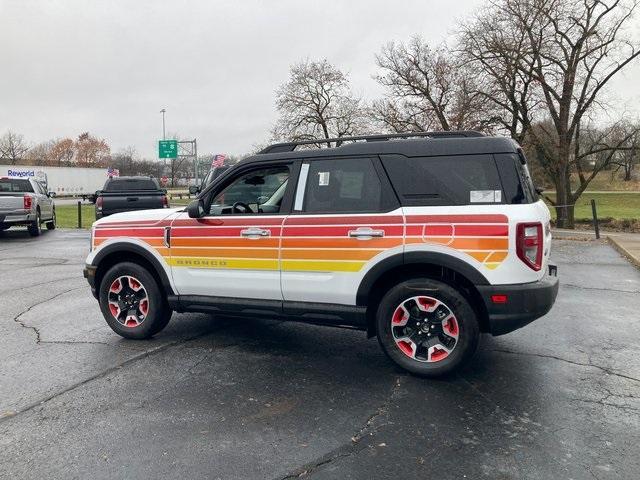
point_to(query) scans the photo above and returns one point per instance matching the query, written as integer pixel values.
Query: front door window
(256, 192)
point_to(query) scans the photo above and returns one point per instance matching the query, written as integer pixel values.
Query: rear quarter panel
(484, 236)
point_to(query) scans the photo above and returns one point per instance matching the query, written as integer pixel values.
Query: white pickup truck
(25, 202)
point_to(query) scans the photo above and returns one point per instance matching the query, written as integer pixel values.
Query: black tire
(51, 225)
(466, 325)
(35, 229)
(158, 311)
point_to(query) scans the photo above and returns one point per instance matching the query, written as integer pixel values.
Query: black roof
(130, 178)
(410, 145)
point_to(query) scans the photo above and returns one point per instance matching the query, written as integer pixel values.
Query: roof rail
(382, 137)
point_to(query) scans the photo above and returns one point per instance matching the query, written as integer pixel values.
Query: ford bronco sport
(423, 240)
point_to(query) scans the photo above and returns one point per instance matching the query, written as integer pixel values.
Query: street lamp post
(163, 132)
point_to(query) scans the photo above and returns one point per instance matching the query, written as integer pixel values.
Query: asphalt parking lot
(230, 399)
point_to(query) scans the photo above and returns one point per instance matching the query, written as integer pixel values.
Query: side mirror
(195, 209)
(193, 189)
(51, 194)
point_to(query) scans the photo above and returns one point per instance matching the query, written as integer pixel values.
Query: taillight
(165, 201)
(99, 201)
(27, 202)
(529, 244)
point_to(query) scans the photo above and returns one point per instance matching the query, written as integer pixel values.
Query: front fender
(134, 246)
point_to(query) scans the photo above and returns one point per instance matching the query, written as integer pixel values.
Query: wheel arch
(118, 253)
(437, 266)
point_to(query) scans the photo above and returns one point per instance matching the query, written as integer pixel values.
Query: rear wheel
(427, 327)
(51, 225)
(132, 302)
(35, 229)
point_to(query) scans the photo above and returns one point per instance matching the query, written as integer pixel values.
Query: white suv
(423, 241)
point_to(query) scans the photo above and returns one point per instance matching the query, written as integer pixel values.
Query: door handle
(255, 232)
(366, 233)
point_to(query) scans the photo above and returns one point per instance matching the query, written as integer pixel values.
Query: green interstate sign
(167, 149)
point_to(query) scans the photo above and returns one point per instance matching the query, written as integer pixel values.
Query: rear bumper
(17, 218)
(524, 303)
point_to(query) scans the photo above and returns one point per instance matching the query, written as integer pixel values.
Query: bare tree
(572, 50)
(151, 168)
(627, 158)
(317, 103)
(427, 89)
(497, 52)
(125, 160)
(598, 147)
(39, 154)
(12, 147)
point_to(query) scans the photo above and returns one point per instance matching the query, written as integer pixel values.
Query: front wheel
(427, 327)
(132, 302)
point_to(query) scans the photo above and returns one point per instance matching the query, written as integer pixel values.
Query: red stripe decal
(228, 222)
(328, 220)
(458, 230)
(130, 232)
(190, 232)
(136, 223)
(457, 219)
(320, 231)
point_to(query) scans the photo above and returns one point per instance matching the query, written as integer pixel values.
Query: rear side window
(445, 180)
(517, 183)
(343, 185)
(131, 184)
(15, 185)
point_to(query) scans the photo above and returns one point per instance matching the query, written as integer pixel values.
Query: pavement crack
(9, 415)
(580, 287)
(75, 277)
(626, 408)
(349, 449)
(572, 362)
(382, 409)
(31, 327)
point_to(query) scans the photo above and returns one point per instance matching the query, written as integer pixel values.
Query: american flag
(113, 172)
(218, 160)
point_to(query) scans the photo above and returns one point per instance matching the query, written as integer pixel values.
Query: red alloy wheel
(425, 329)
(128, 301)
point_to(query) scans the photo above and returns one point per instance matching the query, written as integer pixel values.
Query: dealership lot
(224, 398)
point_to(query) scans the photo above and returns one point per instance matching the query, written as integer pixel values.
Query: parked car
(25, 202)
(424, 242)
(124, 194)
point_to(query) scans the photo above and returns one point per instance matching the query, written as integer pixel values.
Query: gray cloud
(109, 67)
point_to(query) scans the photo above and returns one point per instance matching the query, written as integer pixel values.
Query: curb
(624, 252)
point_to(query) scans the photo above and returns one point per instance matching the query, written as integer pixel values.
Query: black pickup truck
(124, 194)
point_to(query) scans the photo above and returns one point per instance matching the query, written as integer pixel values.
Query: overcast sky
(108, 67)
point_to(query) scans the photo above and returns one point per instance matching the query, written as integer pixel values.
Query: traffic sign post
(168, 149)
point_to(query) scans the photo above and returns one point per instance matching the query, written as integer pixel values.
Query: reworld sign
(21, 173)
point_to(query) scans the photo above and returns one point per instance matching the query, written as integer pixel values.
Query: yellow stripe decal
(224, 263)
(316, 266)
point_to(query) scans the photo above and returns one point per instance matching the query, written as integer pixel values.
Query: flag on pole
(218, 160)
